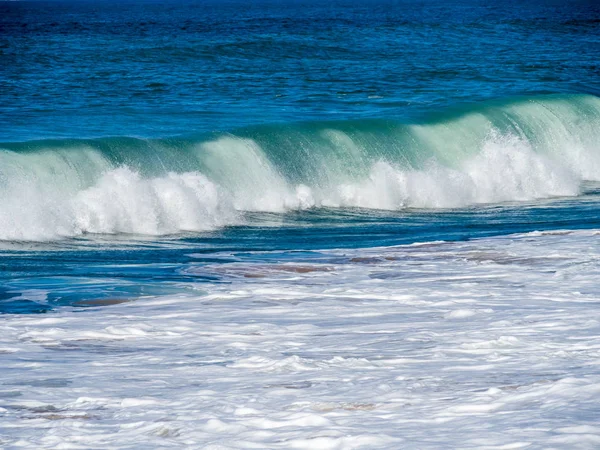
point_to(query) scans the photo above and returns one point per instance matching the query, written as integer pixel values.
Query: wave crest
(517, 152)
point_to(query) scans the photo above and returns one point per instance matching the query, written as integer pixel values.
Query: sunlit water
(299, 225)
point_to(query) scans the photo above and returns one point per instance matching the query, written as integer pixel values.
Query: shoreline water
(299, 224)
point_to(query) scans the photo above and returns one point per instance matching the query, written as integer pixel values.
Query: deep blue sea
(166, 155)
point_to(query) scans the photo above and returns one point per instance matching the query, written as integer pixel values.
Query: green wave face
(514, 150)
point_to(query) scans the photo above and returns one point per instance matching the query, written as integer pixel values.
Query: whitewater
(518, 150)
(491, 343)
(362, 286)
(298, 224)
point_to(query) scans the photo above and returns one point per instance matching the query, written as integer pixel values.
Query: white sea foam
(56, 194)
(507, 169)
(519, 150)
(451, 345)
(122, 201)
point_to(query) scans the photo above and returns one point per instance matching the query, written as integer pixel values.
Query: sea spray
(517, 150)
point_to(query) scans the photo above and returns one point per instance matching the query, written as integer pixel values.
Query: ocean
(299, 224)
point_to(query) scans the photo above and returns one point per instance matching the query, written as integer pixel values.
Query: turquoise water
(299, 224)
(142, 138)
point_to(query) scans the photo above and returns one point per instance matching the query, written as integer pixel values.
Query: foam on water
(520, 150)
(412, 346)
(299, 224)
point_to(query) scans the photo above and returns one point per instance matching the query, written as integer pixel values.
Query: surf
(504, 151)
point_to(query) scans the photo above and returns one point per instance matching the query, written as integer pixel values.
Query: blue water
(139, 139)
(89, 68)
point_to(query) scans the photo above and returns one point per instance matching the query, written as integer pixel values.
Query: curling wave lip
(516, 150)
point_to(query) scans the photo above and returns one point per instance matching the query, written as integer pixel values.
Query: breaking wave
(515, 150)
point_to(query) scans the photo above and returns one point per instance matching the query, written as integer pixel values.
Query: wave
(516, 150)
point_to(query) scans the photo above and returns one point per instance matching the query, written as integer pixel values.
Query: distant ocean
(299, 224)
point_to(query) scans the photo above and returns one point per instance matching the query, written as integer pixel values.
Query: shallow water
(299, 225)
(417, 345)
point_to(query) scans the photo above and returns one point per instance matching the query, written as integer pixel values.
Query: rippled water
(79, 69)
(299, 224)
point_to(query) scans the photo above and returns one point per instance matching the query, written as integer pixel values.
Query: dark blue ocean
(139, 138)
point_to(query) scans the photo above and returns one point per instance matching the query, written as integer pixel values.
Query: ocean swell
(515, 150)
